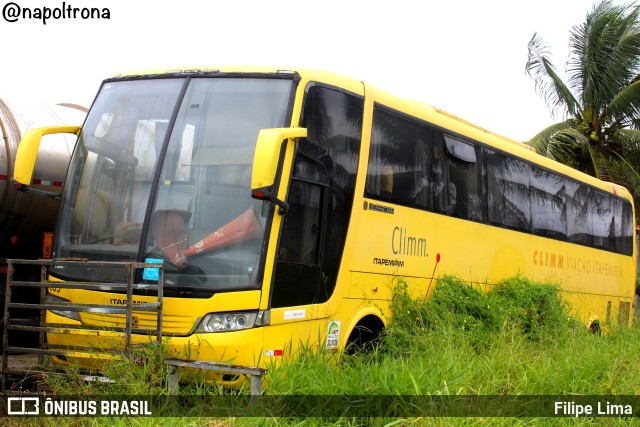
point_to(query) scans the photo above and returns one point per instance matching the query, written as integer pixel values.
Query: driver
(169, 229)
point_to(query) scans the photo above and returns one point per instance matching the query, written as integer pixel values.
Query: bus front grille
(178, 325)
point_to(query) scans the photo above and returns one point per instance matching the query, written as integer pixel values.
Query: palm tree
(600, 100)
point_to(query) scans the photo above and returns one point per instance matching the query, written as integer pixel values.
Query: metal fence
(21, 317)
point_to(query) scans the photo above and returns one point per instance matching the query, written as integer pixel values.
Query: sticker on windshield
(152, 274)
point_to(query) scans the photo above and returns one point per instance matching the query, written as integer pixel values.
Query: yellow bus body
(379, 246)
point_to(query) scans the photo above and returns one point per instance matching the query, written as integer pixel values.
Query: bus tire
(365, 336)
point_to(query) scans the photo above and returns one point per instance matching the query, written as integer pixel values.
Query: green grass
(516, 340)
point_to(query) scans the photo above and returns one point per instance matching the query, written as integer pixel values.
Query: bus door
(315, 226)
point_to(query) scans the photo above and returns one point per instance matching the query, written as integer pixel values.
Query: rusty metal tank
(24, 217)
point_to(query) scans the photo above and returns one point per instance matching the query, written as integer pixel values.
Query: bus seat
(127, 233)
(100, 216)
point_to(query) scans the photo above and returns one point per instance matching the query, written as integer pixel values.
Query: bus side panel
(419, 246)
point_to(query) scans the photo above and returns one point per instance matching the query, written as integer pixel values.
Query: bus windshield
(162, 173)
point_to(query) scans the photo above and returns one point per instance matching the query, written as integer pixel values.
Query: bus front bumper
(92, 350)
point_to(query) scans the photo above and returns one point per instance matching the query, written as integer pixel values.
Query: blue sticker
(152, 274)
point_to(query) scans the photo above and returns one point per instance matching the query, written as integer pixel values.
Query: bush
(463, 306)
(532, 309)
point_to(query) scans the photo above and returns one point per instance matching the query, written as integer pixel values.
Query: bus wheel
(365, 336)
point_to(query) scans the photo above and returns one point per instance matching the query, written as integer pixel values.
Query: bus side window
(300, 236)
(380, 171)
(578, 205)
(298, 276)
(443, 190)
(465, 183)
(508, 191)
(422, 180)
(627, 229)
(399, 161)
(320, 198)
(603, 219)
(548, 203)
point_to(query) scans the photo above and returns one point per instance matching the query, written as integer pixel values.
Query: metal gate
(36, 320)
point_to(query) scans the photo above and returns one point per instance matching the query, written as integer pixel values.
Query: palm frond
(629, 136)
(626, 174)
(624, 108)
(563, 145)
(605, 54)
(625, 164)
(547, 81)
(559, 142)
(540, 140)
(602, 167)
(628, 143)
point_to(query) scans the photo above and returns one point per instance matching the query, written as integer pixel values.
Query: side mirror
(28, 152)
(266, 160)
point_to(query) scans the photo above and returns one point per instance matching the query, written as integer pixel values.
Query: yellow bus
(282, 203)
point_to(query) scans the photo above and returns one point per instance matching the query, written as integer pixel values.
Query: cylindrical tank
(25, 217)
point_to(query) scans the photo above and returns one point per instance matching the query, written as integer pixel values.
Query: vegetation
(517, 339)
(599, 102)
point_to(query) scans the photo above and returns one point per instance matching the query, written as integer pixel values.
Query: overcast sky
(464, 56)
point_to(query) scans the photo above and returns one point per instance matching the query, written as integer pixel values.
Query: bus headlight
(226, 322)
(53, 299)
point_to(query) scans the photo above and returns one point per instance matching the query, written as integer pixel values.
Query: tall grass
(518, 339)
